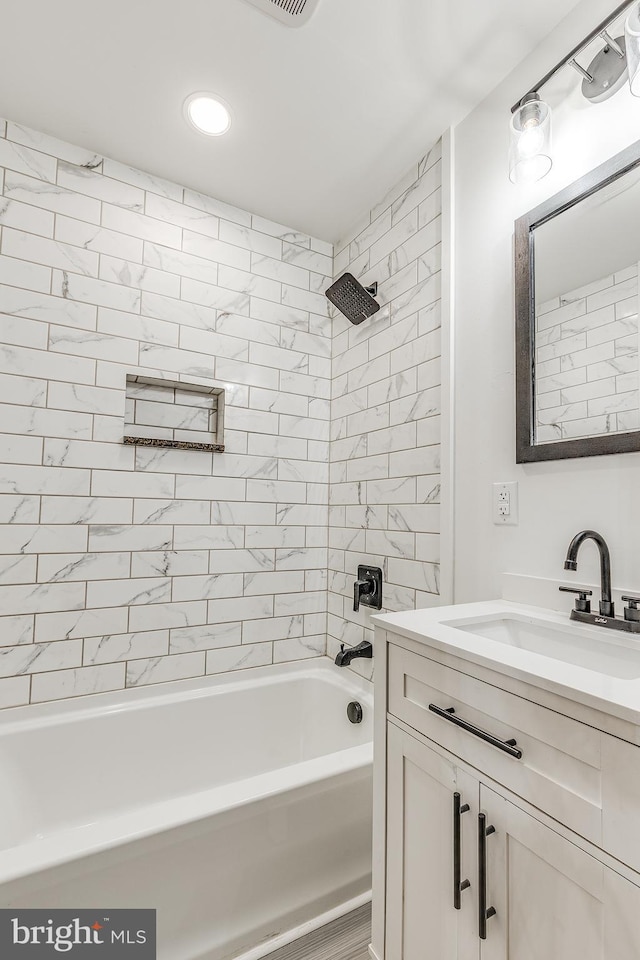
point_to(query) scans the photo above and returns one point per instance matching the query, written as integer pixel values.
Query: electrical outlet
(505, 504)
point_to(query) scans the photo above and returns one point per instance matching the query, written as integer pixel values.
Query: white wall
(558, 498)
(123, 565)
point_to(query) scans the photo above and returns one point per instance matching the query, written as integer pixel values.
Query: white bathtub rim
(76, 843)
(309, 926)
(72, 709)
(37, 854)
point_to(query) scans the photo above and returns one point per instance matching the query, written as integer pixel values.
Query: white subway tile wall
(385, 410)
(587, 381)
(124, 566)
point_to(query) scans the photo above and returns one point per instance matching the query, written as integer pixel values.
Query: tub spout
(364, 649)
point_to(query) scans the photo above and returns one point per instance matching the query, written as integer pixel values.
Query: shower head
(352, 299)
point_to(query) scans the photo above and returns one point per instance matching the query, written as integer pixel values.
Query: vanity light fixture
(207, 113)
(530, 146)
(530, 156)
(632, 38)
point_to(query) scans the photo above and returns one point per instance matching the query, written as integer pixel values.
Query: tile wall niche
(125, 565)
(385, 410)
(174, 413)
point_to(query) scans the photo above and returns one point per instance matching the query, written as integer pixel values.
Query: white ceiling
(327, 115)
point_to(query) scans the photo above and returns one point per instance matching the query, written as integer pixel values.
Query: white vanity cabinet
(552, 899)
(464, 826)
(423, 794)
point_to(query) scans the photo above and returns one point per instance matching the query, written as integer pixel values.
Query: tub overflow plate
(354, 712)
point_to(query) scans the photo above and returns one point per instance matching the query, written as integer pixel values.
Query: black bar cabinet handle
(484, 913)
(507, 746)
(458, 885)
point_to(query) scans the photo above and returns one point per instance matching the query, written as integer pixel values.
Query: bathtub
(238, 806)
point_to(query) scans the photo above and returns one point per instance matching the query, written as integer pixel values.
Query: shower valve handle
(367, 589)
(362, 588)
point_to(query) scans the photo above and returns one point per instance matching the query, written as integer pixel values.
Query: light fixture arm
(613, 44)
(600, 31)
(583, 73)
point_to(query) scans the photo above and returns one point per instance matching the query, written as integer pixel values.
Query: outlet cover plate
(505, 504)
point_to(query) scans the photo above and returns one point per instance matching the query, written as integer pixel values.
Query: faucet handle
(367, 589)
(631, 612)
(362, 588)
(583, 604)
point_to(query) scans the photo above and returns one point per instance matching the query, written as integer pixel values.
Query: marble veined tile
(17, 569)
(41, 598)
(78, 682)
(244, 236)
(26, 160)
(16, 630)
(39, 306)
(129, 592)
(14, 691)
(207, 637)
(83, 180)
(135, 224)
(55, 148)
(161, 616)
(239, 658)
(64, 567)
(23, 216)
(276, 628)
(279, 230)
(217, 208)
(299, 648)
(140, 276)
(178, 311)
(46, 480)
(138, 178)
(125, 646)
(182, 215)
(39, 657)
(51, 196)
(19, 509)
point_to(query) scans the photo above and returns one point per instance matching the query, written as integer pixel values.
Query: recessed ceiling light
(208, 114)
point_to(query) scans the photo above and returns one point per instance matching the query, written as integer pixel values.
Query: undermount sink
(588, 647)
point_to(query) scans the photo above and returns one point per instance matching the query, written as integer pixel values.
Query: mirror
(577, 307)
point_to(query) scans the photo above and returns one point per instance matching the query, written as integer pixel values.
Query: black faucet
(582, 608)
(364, 649)
(571, 563)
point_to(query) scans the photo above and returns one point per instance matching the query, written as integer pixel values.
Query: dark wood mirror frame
(527, 451)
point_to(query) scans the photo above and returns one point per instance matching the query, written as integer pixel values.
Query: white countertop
(619, 697)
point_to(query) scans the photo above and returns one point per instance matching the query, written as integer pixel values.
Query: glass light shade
(632, 38)
(208, 114)
(530, 144)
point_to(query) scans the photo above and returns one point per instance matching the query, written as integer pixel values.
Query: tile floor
(344, 939)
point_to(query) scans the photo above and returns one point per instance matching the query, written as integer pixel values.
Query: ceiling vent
(293, 13)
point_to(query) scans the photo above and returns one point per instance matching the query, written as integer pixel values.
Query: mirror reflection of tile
(586, 360)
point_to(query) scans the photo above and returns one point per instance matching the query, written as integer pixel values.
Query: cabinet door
(422, 920)
(552, 900)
